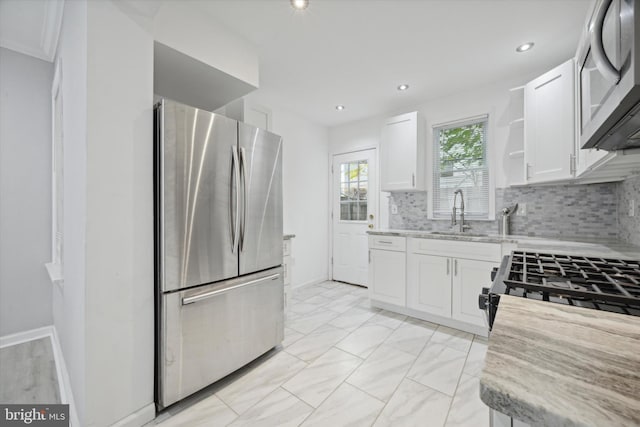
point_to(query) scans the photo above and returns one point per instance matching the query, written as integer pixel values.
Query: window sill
(465, 220)
(55, 273)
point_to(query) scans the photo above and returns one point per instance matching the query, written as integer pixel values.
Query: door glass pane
(344, 172)
(353, 190)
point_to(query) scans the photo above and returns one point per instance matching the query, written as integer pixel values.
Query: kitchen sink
(452, 233)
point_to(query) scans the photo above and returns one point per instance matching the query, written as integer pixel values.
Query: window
(460, 161)
(354, 182)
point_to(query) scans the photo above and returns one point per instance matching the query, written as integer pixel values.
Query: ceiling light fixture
(403, 87)
(525, 47)
(339, 107)
(300, 4)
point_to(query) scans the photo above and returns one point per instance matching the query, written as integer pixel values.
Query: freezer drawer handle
(207, 295)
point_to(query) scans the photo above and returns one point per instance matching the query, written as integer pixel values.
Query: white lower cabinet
(469, 276)
(443, 279)
(286, 272)
(387, 276)
(447, 287)
(429, 284)
(387, 269)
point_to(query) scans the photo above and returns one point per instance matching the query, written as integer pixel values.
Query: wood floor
(28, 373)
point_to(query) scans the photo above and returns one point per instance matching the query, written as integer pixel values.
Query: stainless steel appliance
(218, 240)
(589, 282)
(608, 61)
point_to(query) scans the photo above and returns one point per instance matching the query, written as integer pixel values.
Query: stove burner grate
(575, 278)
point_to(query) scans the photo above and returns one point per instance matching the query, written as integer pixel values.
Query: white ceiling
(356, 52)
(31, 27)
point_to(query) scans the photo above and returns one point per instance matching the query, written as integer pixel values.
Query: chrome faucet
(453, 214)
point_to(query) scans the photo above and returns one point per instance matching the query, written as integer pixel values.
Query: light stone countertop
(595, 247)
(558, 365)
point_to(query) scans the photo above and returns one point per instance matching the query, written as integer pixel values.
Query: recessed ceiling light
(403, 87)
(339, 107)
(300, 4)
(525, 47)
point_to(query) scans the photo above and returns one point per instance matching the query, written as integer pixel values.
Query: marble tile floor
(343, 363)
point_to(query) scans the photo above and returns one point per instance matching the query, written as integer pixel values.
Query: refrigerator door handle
(207, 295)
(243, 168)
(235, 173)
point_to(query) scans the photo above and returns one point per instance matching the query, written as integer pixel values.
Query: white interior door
(355, 210)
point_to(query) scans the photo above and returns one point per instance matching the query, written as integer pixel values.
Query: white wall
(69, 302)
(119, 246)
(197, 35)
(305, 177)
(25, 192)
(491, 99)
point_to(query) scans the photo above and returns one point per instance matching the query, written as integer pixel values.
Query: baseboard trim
(64, 383)
(66, 392)
(141, 417)
(451, 323)
(22, 337)
(310, 283)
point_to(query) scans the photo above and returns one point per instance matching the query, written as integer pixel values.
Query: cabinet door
(387, 276)
(549, 112)
(469, 277)
(401, 152)
(429, 284)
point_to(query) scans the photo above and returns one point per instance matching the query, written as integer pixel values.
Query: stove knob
(483, 300)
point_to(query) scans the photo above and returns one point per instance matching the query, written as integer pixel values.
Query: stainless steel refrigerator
(218, 247)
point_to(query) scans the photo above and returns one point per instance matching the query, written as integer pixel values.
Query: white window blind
(460, 162)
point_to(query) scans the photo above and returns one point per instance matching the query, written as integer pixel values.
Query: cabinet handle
(572, 164)
(448, 261)
(527, 173)
(386, 242)
(369, 256)
(413, 179)
(455, 267)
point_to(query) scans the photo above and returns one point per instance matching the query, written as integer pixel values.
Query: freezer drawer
(210, 331)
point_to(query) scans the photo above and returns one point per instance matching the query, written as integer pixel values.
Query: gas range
(590, 282)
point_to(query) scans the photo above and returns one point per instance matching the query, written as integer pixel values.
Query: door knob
(370, 216)
(370, 225)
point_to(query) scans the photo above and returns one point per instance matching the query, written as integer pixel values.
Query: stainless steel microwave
(608, 62)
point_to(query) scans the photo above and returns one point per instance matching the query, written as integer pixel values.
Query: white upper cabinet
(402, 154)
(549, 111)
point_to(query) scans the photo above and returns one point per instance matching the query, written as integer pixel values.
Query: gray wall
(25, 192)
(629, 226)
(581, 211)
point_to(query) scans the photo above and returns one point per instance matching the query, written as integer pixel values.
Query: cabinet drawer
(286, 247)
(457, 249)
(389, 243)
